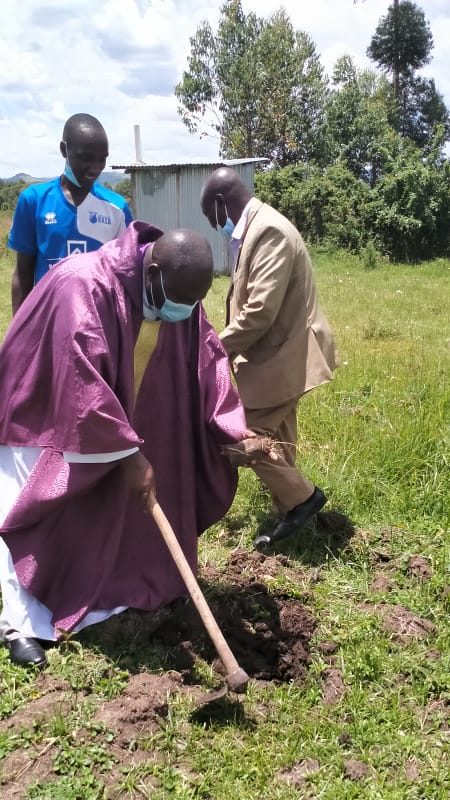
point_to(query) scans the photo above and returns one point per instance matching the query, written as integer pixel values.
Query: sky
(120, 59)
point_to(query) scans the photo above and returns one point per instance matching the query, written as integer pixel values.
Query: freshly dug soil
(268, 633)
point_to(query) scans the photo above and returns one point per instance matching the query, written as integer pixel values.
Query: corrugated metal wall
(170, 198)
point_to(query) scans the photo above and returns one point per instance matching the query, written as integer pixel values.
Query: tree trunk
(395, 71)
(249, 148)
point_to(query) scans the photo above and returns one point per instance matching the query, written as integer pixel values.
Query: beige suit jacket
(277, 336)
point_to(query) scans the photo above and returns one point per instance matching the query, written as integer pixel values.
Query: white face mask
(171, 311)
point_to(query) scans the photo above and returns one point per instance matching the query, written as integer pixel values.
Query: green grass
(6, 267)
(377, 440)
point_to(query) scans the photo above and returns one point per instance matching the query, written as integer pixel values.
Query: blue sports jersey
(46, 224)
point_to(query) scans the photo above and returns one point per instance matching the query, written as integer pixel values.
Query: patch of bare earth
(412, 770)
(356, 770)
(333, 687)
(401, 622)
(298, 774)
(23, 767)
(57, 698)
(381, 583)
(137, 712)
(140, 707)
(419, 567)
(268, 632)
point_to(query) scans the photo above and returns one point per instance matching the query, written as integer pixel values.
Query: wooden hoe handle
(236, 677)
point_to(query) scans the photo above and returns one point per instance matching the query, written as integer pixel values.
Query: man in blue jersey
(67, 215)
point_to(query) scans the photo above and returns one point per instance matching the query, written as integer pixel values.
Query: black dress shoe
(26, 651)
(296, 518)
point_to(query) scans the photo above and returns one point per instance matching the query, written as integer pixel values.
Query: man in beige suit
(277, 338)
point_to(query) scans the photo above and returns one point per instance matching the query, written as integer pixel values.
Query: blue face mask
(228, 228)
(68, 171)
(170, 311)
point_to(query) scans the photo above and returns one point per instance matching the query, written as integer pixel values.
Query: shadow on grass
(221, 713)
(327, 535)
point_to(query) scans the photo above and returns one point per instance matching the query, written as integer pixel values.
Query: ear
(63, 149)
(149, 268)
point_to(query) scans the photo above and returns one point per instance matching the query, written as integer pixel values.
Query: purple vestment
(79, 542)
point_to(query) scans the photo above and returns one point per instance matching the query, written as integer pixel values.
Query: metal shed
(168, 195)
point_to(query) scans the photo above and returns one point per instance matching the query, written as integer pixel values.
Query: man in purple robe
(78, 451)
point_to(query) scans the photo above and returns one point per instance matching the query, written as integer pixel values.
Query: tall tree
(217, 91)
(358, 132)
(402, 41)
(291, 107)
(420, 110)
(237, 79)
(258, 84)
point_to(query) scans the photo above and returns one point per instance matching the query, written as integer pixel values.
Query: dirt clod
(246, 452)
(333, 687)
(327, 647)
(412, 771)
(401, 622)
(381, 583)
(419, 567)
(433, 655)
(298, 773)
(355, 770)
(404, 623)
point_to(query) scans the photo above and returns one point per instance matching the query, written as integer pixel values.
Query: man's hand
(139, 476)
(249, 451)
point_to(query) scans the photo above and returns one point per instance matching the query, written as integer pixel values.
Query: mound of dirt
(401, 622)
(356, 770)
(268, 634)
(268, 631)
(143, 701)
(298, 774)
(333, 687)
(419, 567)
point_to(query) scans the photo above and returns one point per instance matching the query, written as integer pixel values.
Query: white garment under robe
(22, 614)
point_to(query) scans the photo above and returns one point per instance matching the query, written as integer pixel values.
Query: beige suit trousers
(285, 482)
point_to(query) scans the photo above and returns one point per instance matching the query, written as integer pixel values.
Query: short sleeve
(22, 236)
(128, 215)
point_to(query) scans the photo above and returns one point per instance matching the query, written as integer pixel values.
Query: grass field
(371, 719)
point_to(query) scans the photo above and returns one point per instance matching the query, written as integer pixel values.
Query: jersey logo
(94, 217)
(76, 247)
(50, 218)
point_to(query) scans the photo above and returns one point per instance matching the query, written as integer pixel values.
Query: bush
(370, 256)
(328, 206)
(405, 215)
(9, 192)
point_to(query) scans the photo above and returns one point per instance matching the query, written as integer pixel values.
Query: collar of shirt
(236, 236)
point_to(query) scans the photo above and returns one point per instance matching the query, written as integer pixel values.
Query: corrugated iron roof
(224, 162)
